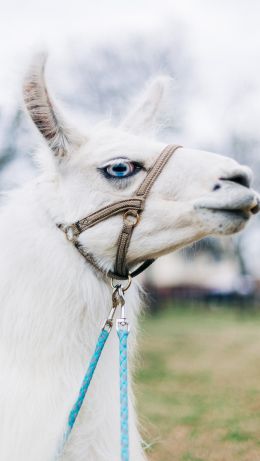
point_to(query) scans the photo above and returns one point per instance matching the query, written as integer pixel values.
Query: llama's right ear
(144, 116)
(43, 113)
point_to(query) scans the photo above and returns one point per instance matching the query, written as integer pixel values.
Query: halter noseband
(132, 209)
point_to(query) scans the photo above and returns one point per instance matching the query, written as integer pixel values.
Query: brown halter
(132, 208)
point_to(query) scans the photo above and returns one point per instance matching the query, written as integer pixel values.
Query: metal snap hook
(69, 231)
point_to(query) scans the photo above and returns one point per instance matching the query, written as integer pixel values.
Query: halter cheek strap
(131, 209)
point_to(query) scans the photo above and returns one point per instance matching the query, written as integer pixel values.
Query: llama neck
(52, 301)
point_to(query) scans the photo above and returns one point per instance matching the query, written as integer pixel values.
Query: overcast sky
(228, 29)
(223, 37)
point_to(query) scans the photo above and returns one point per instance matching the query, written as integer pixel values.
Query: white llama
(53, 303)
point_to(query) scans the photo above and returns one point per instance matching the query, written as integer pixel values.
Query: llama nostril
(216, 187)
(242, 179)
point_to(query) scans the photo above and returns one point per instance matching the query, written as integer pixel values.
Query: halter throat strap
(131, 209)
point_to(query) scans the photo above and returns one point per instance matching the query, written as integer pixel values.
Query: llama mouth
(231, 213)
(241, 206)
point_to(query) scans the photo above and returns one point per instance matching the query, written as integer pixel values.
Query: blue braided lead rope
(123, 335)
(87, 379)
(84, 388)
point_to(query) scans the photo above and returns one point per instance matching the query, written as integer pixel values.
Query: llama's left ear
(60, 138)
(145, 114)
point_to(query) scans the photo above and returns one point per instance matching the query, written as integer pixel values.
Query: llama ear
(43, 112)
(145, 114)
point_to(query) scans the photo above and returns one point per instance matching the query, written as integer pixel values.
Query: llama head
(197, 194)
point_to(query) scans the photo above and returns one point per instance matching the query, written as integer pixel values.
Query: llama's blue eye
(121, 169)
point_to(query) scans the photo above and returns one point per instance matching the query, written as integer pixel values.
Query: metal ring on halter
(124, 288)
(131, 217)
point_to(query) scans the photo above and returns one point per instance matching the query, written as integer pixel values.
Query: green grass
(198, 385)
